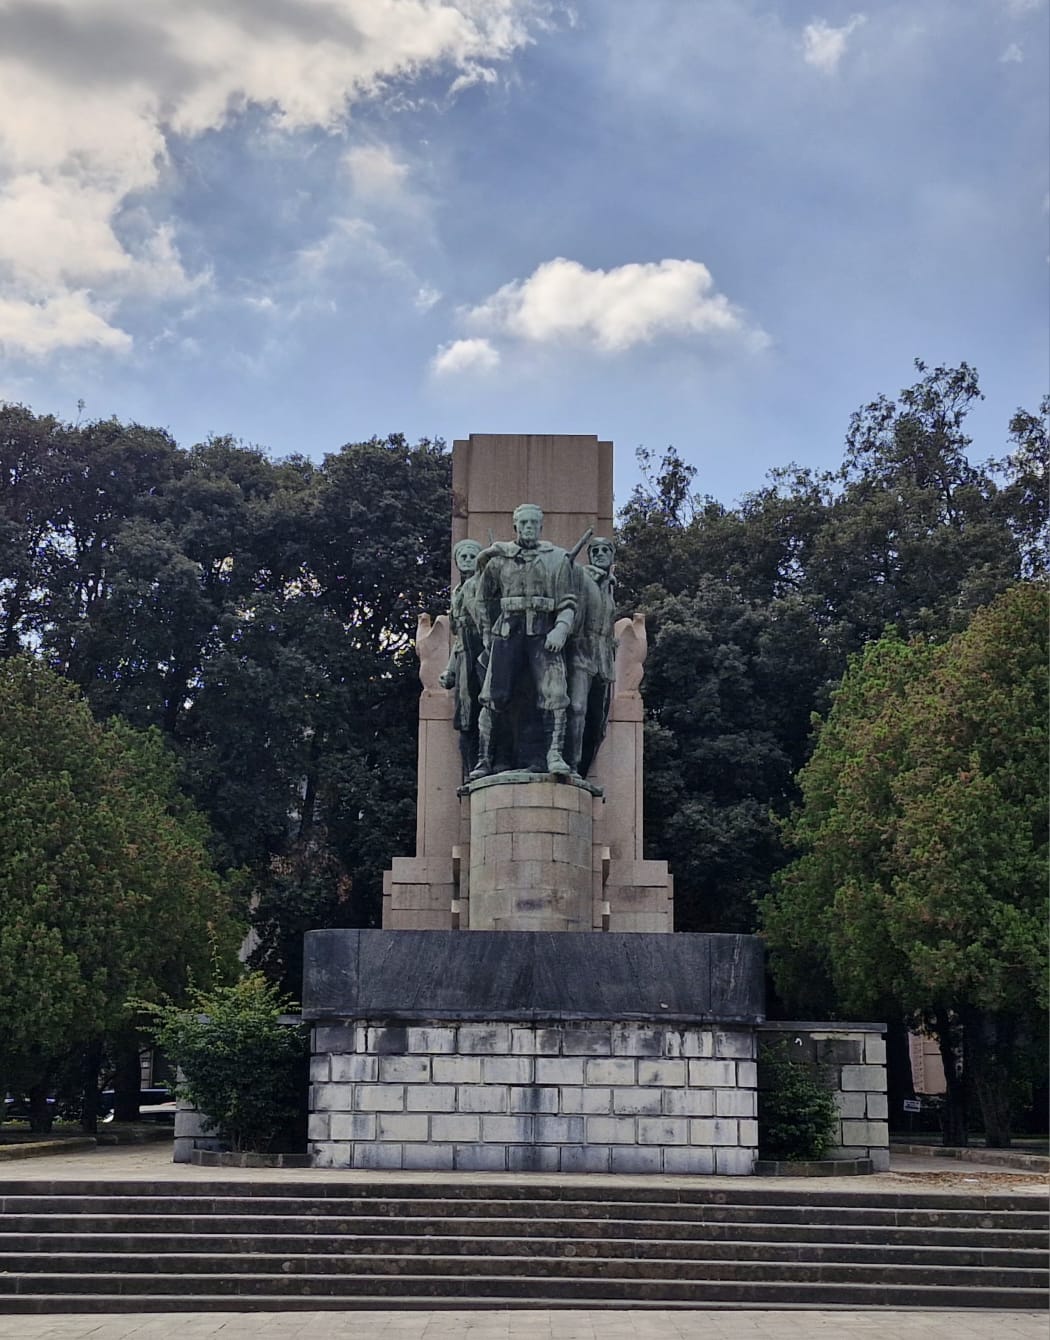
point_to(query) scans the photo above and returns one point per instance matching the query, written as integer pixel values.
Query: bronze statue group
(533, 652)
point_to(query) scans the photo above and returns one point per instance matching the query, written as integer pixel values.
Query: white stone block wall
(556, 1097)
(851, 1059)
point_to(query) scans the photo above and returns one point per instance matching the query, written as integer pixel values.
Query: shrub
(241, 1067)
(797, 1116)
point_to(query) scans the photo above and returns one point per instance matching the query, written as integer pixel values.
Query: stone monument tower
(465, 1034)
(561, 855)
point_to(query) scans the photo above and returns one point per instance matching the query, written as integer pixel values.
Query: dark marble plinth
(527, 975)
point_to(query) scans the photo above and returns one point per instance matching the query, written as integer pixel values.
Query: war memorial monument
(526, 1006)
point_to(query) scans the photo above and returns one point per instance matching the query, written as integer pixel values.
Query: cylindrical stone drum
(531, 855)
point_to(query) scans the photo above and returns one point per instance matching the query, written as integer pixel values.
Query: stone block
(355, 1067)
(864, 1078)
(736, 1045)
(399, 1126)
(698, 1043)
(534, 1158)
(632, 1159)
(590, 1101)
(332, 1098)
(479, 1158)
(734, 1162)
(378, 1156)
(321, 1070)
(523, 1041)
(713, 1131)
(874, 1050)
(735, 1102)
(455, 1128)
(661, 1072)
(483, 1039)
(333, 1038)
(865, 1133)
(582, 1041)
(325, 1154)
(584, 1158)
(747, 1074)
(548, 1041)
(663, 1131)
(456, 1069)
(507, 1130)
(747, 1133)
(533, 1099)
(430, 1098)
(853, 1105)
(712, 1074)
(638, 1040)
(635, 1100)
(559, 1070)
(317, 1126)
(507, 1069)
(640, 923)
(877, 1106)
(614, 1071)
(482, 1098)
(388, 1039)
(431, 1039)
(690, 1160)
(688, 1102)
(428, 1158)
(611, 1130)
(533, 847)
(404, 1069)
(378, 1097)
(353, 1126)
(553, 1130)
(880, 1159)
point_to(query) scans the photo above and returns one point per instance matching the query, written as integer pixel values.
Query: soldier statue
(463, 674)
(591, 655)
(526, 603)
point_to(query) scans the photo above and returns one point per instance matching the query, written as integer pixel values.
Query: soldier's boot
(483, 767)
(555, 762)
(574, 740)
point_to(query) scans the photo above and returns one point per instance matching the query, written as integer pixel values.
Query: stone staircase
(126, 1246)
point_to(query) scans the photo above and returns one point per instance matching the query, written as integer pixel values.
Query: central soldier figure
(525, 607)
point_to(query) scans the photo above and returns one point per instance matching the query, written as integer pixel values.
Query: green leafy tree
(106, 888)
(797, 1116)
(921, 871)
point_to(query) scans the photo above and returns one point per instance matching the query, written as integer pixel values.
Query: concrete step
(18, 1207)
(915, 1236)
(257, 1270)
(130, 1246)
(160, 1246)
(184, 1291)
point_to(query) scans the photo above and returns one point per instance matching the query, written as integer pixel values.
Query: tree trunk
(989, 1048)
(89, 1104)
(949, 1040)
(127, 1082)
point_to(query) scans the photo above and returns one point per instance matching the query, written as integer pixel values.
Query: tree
(106, 888)
(921, 870)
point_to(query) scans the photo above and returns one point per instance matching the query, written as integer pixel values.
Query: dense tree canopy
(106, 886)
(920, 881)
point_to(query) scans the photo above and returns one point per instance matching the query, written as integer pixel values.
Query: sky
(721, 225)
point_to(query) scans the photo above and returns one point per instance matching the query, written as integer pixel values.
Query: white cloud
(612, 310)
(1013, 55)
(91, 91)
(375, 171)
(824, 46)
(475, 355)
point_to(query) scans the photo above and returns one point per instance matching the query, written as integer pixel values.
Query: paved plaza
(536, 1324)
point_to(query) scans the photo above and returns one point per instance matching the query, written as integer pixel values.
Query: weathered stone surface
(510, 976)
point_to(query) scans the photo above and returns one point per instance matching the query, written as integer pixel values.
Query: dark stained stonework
(536, 975)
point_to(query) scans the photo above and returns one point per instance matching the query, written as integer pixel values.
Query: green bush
(797, 1116)
(241, 1068)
